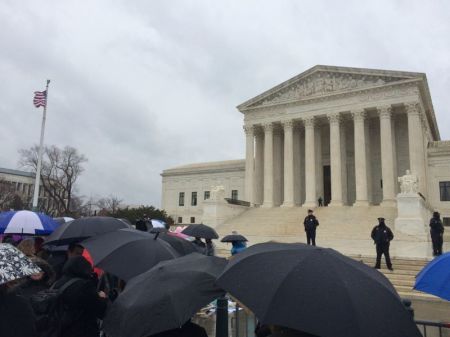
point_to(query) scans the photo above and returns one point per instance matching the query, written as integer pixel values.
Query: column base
(287, 204)
(335, 203)
(361, 203)
(388, 203)
(310, 204)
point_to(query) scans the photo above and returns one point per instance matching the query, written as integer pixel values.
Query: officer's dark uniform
(437, 232)
(382, 236)
(310, 224)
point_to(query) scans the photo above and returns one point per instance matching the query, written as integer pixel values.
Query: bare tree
(7, 193)
(60, 170)
(110, 204)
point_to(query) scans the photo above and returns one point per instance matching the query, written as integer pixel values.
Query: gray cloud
(140, 86)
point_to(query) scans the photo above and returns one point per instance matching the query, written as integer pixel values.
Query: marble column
(310, 163)
(335, 159)
(362, 196)
(288, 127)
(259, 168)
(249, 162)
(416, 145)
(387, 156)
(268, 165)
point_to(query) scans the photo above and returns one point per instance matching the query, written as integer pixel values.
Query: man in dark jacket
(141, 225)
(310, 224)
(83, 304)
(382, 236)
(437, 232)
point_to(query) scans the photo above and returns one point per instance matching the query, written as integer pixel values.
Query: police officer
(382, 236)
(436, 231)
(310, 224)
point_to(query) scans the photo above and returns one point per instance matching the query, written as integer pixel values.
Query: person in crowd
(382, 236)
(74, 249)
(237, 247)
(310, 224)
(199, 245)
(26, 246)
(38, 282)
(39, 249)
(141, 225)
(437, 233)
(209, 250)
(83, 304)
(320, 201)
(56, 259)
(16, 314)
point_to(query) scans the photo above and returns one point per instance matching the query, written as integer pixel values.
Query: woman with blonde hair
(26, 246)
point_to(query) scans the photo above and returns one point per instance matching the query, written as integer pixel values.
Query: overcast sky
(140, 86)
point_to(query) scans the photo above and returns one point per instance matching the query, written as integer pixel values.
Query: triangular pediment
(326, 80)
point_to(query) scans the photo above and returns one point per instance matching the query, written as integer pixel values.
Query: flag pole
(41, 146)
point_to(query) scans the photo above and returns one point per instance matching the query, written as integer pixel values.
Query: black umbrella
(200, 231)
(182, 246)
(155, 230)
(164, 297)
(83, 228)
(234, 238)
(316, 290)
(128, 252)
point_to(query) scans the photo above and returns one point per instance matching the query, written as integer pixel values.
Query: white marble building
(343, 134)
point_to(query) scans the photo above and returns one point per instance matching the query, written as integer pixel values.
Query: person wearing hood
(382, 236)
(437, 232)
(237, 247)
(83, 304)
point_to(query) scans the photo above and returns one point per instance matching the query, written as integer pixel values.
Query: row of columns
(258, 173)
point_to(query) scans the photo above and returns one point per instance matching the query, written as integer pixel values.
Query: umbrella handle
(156, 235)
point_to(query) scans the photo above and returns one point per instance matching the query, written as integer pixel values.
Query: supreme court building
(352, 137)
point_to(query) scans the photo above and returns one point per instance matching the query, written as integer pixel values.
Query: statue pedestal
(217, 210)
(413, 215)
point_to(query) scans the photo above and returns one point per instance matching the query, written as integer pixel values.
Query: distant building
(21, 183)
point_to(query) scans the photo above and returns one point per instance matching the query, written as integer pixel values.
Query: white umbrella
(158, 223)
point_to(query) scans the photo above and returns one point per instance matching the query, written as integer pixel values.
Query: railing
(433, 329)
(237, 202)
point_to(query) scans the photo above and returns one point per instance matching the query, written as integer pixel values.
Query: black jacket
(81, 299)
(16, 316)
(436, 226)
(382, 234)
(310, 223)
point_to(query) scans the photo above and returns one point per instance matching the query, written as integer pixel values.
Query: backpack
(49, 309)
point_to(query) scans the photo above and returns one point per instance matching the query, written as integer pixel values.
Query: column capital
(412, 108)
(249, 129)
(359, 115)
(309, 122)
(288, 125)
(268, 127)
(385, 112)
(334, 118)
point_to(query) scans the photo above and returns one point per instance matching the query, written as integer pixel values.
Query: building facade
(344, 135)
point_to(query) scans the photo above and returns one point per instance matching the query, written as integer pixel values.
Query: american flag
(40, 98)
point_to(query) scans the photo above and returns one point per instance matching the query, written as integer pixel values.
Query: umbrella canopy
(201, 231)
(63, 219)
(14, 264)
(83, 228)
(165, 297)
(158, 223)
(26, 222)
(155, 230)
(128, 252)
(182, 246)
(434, 278)
(234, 238)
(303, 287)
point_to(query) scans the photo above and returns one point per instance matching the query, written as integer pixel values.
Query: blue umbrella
(434, 278)
(26, 222)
